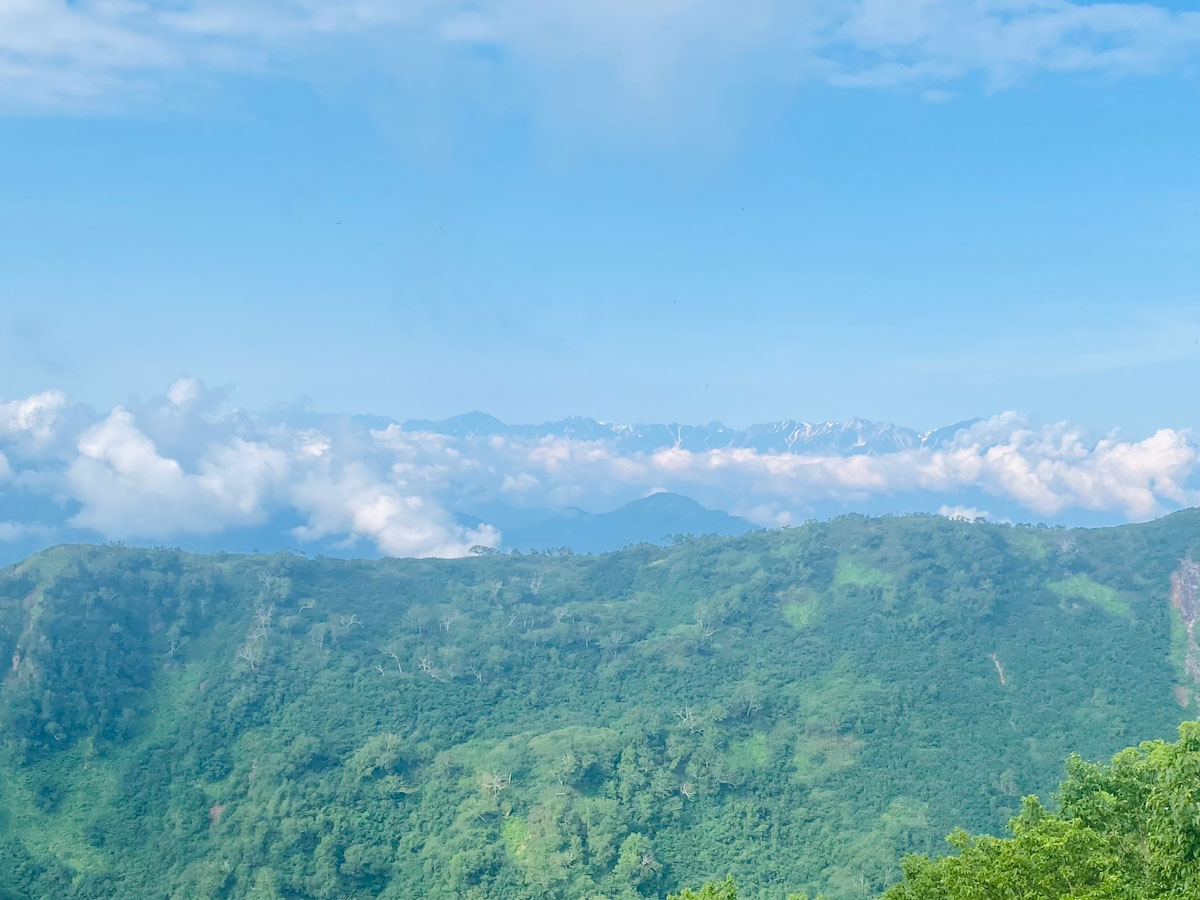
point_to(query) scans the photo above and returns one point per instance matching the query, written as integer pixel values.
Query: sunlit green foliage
(724, 890)
(1080, 587)
(1125, 831)
(798, 708)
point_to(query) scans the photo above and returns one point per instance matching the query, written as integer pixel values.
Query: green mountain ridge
(797, 707)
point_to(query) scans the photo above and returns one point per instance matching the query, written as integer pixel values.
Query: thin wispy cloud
(1146, 338)
(943, 40)
(58, 53)
(187, 464)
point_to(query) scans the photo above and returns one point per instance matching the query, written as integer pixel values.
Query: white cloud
(36, 416)
(356, 503)
(941, 40)
(381, 486)
(518, 483)
(184, 391)
(127, 489)
(644, 51)
(767, 515)
(1048, 470)
(189, 464)
(15, 531)
(966, 513)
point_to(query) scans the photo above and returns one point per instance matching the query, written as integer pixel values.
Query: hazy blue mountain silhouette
(652, 519)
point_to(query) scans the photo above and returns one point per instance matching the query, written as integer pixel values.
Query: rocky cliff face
(1185, 598)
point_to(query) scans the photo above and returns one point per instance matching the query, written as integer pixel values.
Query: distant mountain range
(653, 520)
(849, 438)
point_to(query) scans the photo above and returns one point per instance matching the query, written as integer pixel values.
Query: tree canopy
(800, 708)
(1128, 830)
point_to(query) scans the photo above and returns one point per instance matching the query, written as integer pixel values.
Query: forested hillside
(799, 708)
(1124, 830)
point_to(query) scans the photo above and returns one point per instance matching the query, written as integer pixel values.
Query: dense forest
(1129, 830)
(798, 708)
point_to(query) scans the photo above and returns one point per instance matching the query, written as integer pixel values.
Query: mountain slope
(849, 438)
(797, 707)
(652, 519)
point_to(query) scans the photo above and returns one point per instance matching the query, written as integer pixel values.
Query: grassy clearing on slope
(800, 615)
(750, 754)
(854, 573)
(1034, 543)
(515, 834)
(800, 606)
(1080, 587)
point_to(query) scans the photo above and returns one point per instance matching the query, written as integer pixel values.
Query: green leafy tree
(714, 890)
(1129, 830)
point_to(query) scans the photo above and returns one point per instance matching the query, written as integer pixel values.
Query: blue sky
(679, 211)
(217, 218)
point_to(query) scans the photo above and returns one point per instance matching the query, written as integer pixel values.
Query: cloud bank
(187, 465)
(55, 52)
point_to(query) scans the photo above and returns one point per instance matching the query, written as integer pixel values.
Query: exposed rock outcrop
(1185, 598)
